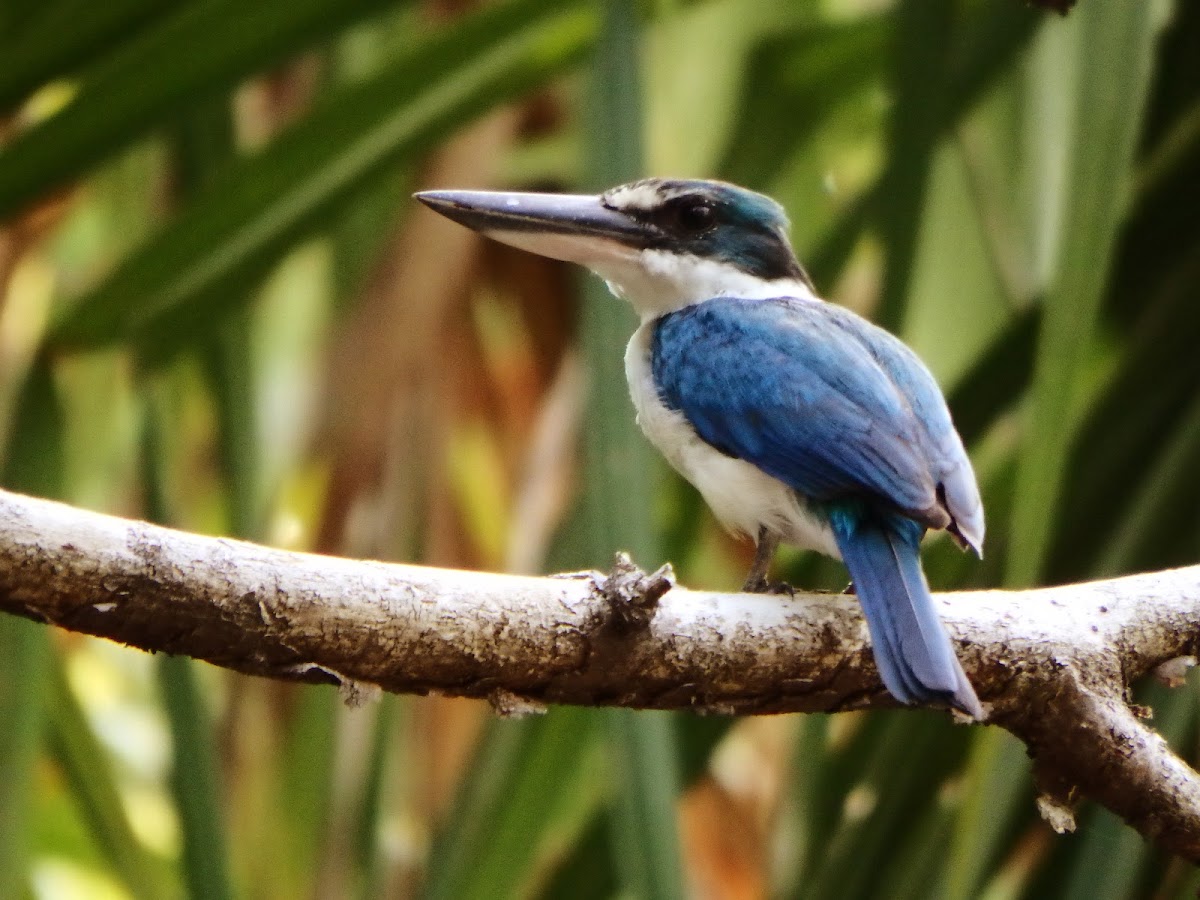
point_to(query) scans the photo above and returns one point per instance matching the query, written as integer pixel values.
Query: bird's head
(661, 243)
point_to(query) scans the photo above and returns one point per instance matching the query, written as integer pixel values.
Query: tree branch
(1052, 665)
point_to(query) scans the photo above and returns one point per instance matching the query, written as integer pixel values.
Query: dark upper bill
(572, 227)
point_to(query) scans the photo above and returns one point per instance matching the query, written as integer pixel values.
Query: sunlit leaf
(932, 87)
(796, 80)
(1098, 180)
(525, 794)
(194, 780)
(24, 651)
(33, 464)
(998, 779)
(1124, 434)
(86, 767)
(64, 35)
(200, 52)
(911, 759)
(179, 282)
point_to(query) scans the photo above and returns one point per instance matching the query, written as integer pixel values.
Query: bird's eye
(695, 217)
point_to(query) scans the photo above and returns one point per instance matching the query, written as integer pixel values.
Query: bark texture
(1051, 665)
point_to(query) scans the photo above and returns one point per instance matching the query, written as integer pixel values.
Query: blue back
(812, 394)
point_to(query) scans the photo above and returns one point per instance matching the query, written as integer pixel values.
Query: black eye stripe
(696, 216)
(747, 230)
(687, 216)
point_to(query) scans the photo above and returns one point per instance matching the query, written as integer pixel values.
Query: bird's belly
(741, 496)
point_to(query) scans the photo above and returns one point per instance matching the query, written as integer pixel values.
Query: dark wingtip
(965, 701)
(964, 542)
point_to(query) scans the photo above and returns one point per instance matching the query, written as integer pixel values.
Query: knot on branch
(631, 594)
(1057, 797)
(354, 693)
(1173, 673)
(509, 705)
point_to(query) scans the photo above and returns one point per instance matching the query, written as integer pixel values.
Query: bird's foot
(763, 586)
(754, 585)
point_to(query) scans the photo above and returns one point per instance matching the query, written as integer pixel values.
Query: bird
(798, 420)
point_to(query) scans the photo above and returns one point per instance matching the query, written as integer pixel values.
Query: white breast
(741, 496)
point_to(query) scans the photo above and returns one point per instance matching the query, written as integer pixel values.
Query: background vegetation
(221, 310)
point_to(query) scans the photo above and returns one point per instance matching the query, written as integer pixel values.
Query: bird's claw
(763, 586)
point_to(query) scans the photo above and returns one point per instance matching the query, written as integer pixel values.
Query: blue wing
(943, 448)
(814, 396)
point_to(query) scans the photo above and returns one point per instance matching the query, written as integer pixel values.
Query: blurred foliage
(219, 308)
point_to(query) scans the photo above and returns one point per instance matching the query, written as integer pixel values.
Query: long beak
(577, 228)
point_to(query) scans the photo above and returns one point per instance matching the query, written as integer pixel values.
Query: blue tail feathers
(912, 649)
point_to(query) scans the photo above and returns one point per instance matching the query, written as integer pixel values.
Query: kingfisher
(796, 419)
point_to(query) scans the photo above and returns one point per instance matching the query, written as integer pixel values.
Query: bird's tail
(912, 649)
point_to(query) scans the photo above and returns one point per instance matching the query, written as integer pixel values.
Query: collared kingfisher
(797, 420)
